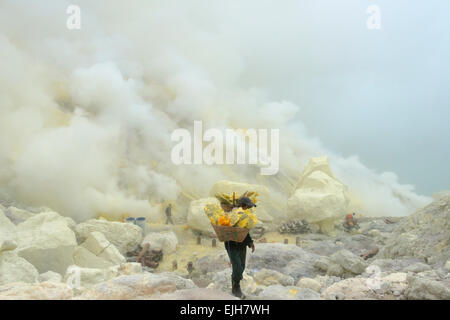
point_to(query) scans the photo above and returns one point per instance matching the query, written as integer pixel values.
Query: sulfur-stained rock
(197, 219)
(137, 286)
(422, 288)
(16, 269)
(422, 235)
(310, 284)
(7, 229)
(8, 245)
(88, 277)
(279, 292)
(50, 276)
(319, 197)
(47, 241)
(124, 236)
(36, 291)
(349, 261)
(267, 277)
(166, 241)
(196, 294)
(84, 258)
(17, 215)
(97, 243)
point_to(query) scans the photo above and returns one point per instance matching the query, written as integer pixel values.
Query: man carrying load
(238, 216)
(237, 251)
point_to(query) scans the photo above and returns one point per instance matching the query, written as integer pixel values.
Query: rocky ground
(44, 255)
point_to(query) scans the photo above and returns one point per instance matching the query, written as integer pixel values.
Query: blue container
(130, 220)
(141, 223)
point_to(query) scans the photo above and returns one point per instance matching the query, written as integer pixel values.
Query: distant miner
(169, 214)
(350, 222)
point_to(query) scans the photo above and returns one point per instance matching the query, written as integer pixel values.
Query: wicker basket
(225, 233)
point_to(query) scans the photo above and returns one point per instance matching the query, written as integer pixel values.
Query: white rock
(264, 201)
(423, 234)
(396, 277)
(47, 241)
(349, 289)
(197, 219)
(7, 229)
(374, 233)
(79, 278)
(17, 215)
(278, 292)
(196, 294)
(129, 268)
(310, 284)
(319, 198)
(267, 277)
(427, 289)
(37, 291)
(137, 286)
(124, 236)
(84, 258)
(349, 261)
(8, 245)
(447, 265)
(166, 240)
(97, 243)
(16, 269)
(50, 276)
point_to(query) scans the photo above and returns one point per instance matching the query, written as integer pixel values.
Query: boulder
(166, 241)
(309, 284)
(417, 267)
(423, 235)
(124, 236)
(319, 198)
(84, 258)
(277, 256)
(129, 268)
(322, 263)
(264, 200)
(17, 215)
(78, 278)
(137, 286)
(197, 219)
(213, 262)
(7, 229)
(8, 245)
(196, 294)
(221, 280)
(279, 292)
(97, 243)
(421, 288)
(50, 276)
(16, 269)
(299, 268)
(267, 277)
(36, 291)
(349, 289)
(47, 241)
(349, 262)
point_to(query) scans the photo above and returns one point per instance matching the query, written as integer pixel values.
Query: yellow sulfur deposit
(238, 217)
(213, 212)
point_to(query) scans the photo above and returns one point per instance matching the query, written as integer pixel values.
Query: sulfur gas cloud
(86, 116)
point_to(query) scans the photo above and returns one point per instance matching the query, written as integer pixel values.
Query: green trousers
(237, 255)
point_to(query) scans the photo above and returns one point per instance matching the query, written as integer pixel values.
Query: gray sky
(381, 94)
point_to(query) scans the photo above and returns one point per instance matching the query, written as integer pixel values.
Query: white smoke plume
(86, 115)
